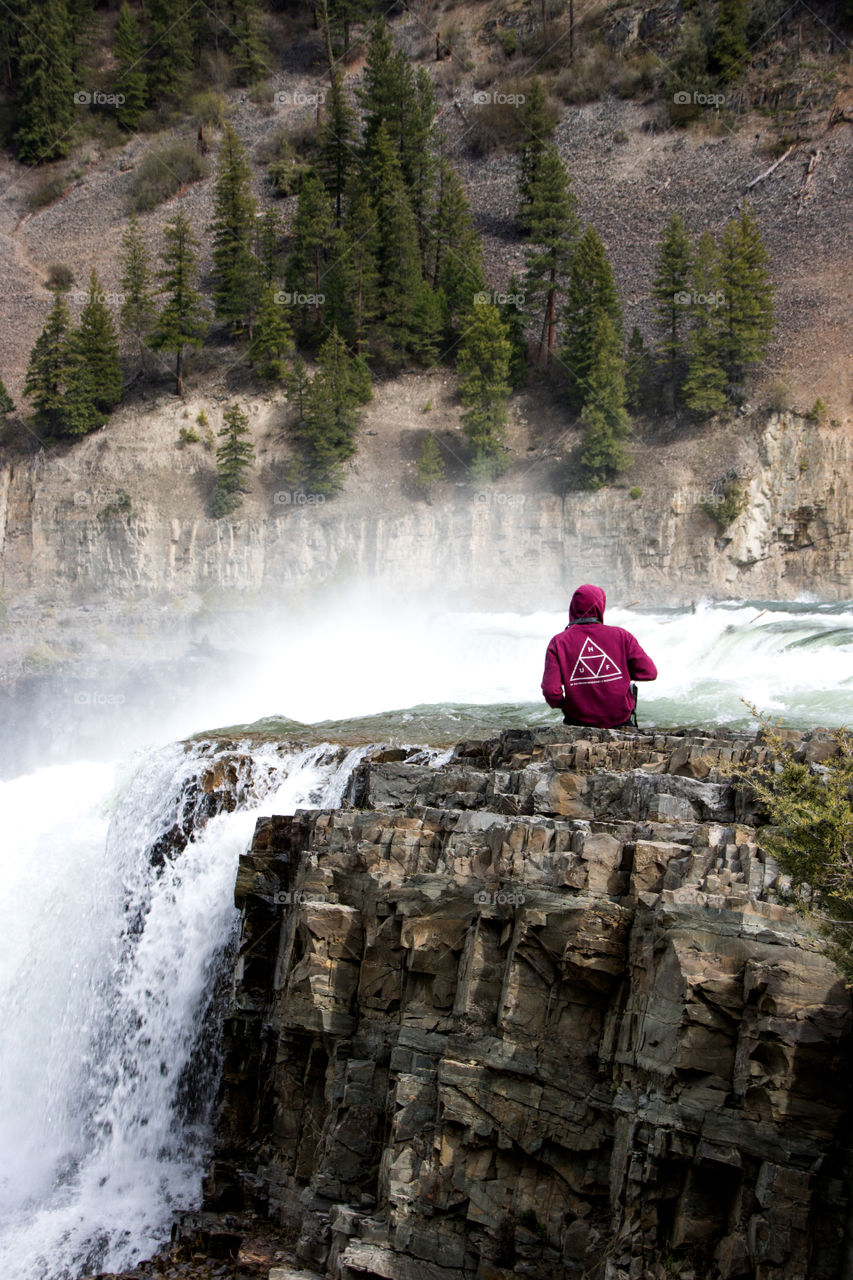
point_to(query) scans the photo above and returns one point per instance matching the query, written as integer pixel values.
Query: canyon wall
(110, 525)
(536, 1012)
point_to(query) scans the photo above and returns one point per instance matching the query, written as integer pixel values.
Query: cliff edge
(535, 1012)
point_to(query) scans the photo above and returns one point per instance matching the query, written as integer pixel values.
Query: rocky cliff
(124, 530)
(535, 1012)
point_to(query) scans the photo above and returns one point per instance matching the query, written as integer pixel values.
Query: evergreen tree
(137, 311)
(747, 295)
(592, 292)
(312, 240)
(380, 90)
(343, 15)
(512, 314)
(236, 274)
(297, 381)
(171, 48)
(7, 404)
(362, 255)
(398, 262)
(248, 47)
(553, 232)
(728, 50)
(483, 367)
(183, 321)
(456, 251)
(538, 125)
(327, 430)
(95, 346)
(273, 340)
(46, 107)
(418, 152)
(671, 293)
(704, 388)
(234, 456)
(268, 246)
(337, 144)
(430, 467)
(604, 418)
(131, 79)
(639, 374)
(49, 369)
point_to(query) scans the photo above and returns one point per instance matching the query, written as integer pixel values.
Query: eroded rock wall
(537, 1012)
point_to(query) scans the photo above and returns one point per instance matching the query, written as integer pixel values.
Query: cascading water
(116, 896)
(112, 965)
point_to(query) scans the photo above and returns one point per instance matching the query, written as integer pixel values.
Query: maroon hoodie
(589, 666)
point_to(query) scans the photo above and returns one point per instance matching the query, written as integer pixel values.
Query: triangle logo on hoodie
(593, 664)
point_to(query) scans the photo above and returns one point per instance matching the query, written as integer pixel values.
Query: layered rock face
(536, 1012)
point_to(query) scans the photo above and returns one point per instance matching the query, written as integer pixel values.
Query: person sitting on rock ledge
(589, 667)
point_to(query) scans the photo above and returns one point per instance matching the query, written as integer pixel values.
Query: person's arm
(552, 680)
(640, 665)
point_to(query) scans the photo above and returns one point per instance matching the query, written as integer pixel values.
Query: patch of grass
(164, 171)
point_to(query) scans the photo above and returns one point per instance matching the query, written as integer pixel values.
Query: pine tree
(553, 233)
(46, 108)
(398, 261)
(268, 246)
(343, 15)
(297, 382)
(7, 404)
(671, 293)
(729, 49)
(312, 240)
(538, 124)
(512, 314)
(327, 430)
(337, 144)
(418, 153)
(248, 47)
(704, 388)
(183, 320)
(430, 467)
(639, 374)
(483, 367)
(233, 459)
(747, 295)
(456, 251)
(236, 275)
(138, 310)
(49, 368)
(95, 345)
(131, 79)
(171, 48)
(379, 94)
(592, 292)
(362, 251)
(604, 418)
(273, 340)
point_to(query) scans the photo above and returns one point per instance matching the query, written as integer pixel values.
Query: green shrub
(810, 832)
(188, 435)
(59, 277)
(726, 509)
(817, 413)
(635, 492)
(209, 108)
(164, 171)
(508, 40)
(201, 418)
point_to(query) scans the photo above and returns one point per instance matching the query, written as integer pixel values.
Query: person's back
(589, 666)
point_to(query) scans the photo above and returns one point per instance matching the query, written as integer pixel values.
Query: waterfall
(113, 960)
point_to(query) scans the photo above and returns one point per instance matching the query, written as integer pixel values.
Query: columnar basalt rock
(537, 1012)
